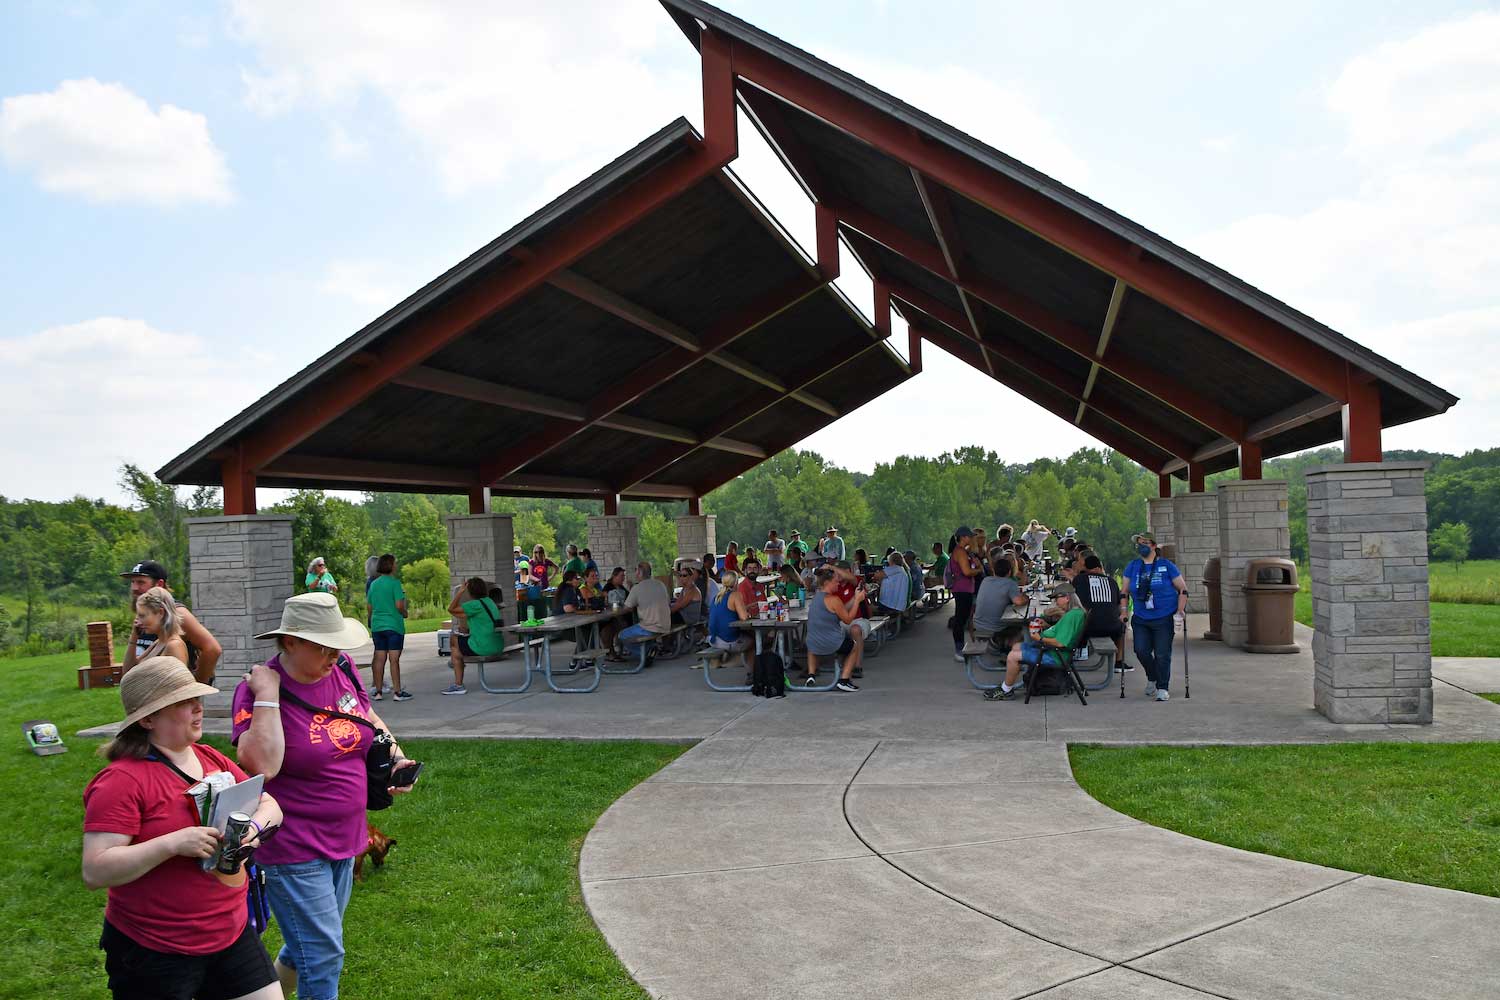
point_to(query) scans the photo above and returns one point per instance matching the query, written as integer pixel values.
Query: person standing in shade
(1035, 539)
(964, 571)
(732, 558)
(575, 561)
(387, 627)
(796, 546)
(319, 579)
(588, 561)
(775, 550)
(935, 572)
(1104, 606)
(832, 546)
(541, 567)
(1158, 602)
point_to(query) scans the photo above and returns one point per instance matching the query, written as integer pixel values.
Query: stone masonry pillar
(1252, 525)
(242, 572)
(615, 541)
(696, 536)
(1159, 520)
(482, 545)
(1367, 539)
(1195, 523)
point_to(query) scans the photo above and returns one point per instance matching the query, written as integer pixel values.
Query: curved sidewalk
(789, 868)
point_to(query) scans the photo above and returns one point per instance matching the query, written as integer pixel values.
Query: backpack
(950, 573)
(768, 679)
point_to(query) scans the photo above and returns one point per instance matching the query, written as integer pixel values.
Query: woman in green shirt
(387, 627)
(319, 579)
(939, 561)
(484, 639)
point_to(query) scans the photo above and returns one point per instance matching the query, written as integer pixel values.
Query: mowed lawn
(1415, 812)
(479, 899)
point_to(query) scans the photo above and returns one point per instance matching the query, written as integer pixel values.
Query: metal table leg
(547, 659)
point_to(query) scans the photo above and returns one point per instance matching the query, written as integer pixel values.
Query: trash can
(1270, 591)
(1215, 631)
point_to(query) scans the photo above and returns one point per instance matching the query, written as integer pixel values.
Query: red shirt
(732, 561)
(176, 907)
(752, 593)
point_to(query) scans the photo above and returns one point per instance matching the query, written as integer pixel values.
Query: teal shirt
(385, 591)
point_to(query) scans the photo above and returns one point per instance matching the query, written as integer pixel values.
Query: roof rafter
(441, 477)
(945, 231)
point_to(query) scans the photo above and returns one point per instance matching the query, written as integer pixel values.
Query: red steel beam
(695, 506)
(1195, 477)
(446, 323)
(750, 409)
(1250, 457)
(479, 499)
(1075, 338)
(1361, 417)
(914, 350)
(1060, 380)
(239, 483)
(1234, 321)
(969, 353)
(1163, 485)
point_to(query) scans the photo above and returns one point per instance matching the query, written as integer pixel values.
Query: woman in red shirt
(171, 929)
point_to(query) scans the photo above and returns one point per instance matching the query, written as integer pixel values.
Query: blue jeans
(1153, 647)
(308, 899)
(632, 634)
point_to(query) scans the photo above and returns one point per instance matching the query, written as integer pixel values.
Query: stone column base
(482, 545)
(1367, 539)
(242, 572)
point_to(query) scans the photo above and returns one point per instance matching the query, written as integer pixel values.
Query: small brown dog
(379, 846)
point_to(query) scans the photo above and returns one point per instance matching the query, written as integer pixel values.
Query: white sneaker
(1150, 689)
(958, 657)
(1161, 694)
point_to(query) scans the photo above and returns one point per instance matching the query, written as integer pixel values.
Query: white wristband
(267, 704)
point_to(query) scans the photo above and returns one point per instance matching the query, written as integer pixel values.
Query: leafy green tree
(426, 583)
(1450, 542)
(912, 503)
(163, 520)
(658, 541)
(530, 528)
(335, 529)
(417, 532)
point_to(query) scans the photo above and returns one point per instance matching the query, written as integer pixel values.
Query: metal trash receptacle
(1270, 594)
(1215, 631)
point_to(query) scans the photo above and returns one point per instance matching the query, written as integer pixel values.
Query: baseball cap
(1063, 589)
(965, 532)
(149, 567)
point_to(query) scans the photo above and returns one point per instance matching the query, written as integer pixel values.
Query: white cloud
(105, 143)
(480, 86)
(1409, 96)
(109, 390)
(343, 146)
(1221, 143)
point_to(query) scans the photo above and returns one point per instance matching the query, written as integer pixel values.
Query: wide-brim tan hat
(157, 683)
(316, 618)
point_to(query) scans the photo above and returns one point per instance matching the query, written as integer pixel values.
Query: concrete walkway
(859, 867)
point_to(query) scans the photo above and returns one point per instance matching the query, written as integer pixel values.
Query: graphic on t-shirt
(243, 715)
(343, 734)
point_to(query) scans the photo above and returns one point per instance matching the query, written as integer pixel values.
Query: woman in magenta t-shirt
(171, 929)
(314, 764)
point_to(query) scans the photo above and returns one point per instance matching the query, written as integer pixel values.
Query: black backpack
(768, 679)
(1046, 678)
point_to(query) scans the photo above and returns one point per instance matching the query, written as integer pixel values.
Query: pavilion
(682, 337)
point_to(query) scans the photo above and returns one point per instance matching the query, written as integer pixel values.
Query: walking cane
(1187, 677)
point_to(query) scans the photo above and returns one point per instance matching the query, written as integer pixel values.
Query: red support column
(827, 229)
(1250, 460)
(239, 484)
(695, 506)
(1195, 477)
(1362, 423)
(1163, 485)
(882, 308)
(479, 499)
(611, 504)
(914, 349)
(720, 122)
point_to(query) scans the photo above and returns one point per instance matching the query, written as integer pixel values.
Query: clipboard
(242, 797)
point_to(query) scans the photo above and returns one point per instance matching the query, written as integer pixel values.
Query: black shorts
(136, 971)
(1105, 630)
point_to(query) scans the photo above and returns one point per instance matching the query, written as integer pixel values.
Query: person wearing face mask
(1158, 601)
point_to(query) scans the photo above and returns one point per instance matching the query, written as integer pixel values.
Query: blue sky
(197, 200)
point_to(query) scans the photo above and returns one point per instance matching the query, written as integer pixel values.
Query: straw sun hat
(156, 683)
(316, 618)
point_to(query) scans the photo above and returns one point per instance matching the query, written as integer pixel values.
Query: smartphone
(406, 776)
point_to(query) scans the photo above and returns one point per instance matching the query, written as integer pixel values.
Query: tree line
(60, 557)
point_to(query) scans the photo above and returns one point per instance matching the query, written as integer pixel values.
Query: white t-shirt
(1033, 541)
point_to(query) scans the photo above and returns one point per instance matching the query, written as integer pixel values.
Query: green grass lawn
(1457, 629)
(1490, 696)
(479, 898)
(1475, 582)
(1415, 812)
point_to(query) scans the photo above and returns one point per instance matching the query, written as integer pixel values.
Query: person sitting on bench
(833, 630)
(1103, 604)
(651, 603)
(687, 608)
(728, 607)
(998, 592)
(1065, 635)
(895, 586)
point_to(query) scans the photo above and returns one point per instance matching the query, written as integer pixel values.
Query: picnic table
(538, 656)
(782, 632)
